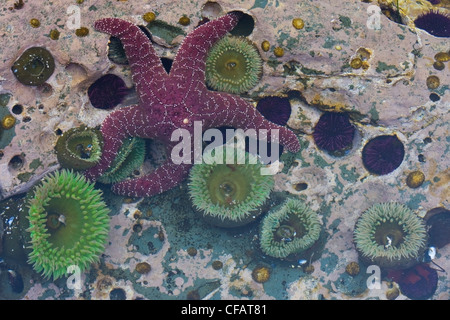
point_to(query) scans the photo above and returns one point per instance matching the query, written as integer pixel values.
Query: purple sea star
(171, 101)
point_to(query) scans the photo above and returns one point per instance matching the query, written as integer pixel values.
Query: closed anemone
(69, 224)
(390, 236)
(229, 194)
(233, 65)
(34, 66)
(289, 230)
(79, 148)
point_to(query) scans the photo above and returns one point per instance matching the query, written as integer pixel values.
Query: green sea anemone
(79, 148)
(229, 195)
(130, 157)
(233, 65)
(289, 229)
(390, 236)
(34, 66)
(69, 224)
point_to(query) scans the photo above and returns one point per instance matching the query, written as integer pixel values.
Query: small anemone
(130, 156)
(233, 65)
(275, 109)
(229, 193)
(107, 92)
(334, 132)
(435, 23)
(383, 154)
(69, 224)
(34, 66)
(79, 148)
(390, 236)
(289, 230)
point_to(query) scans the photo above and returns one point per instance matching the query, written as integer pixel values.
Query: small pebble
(298, 23)
(278, 52)
(265, 45)
(356, 63)
(442, 56)
(35, 23)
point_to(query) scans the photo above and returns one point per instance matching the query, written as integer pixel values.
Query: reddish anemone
(418, 282)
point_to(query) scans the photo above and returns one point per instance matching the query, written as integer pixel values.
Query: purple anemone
(107, 92)
(275, 109)
(383, 154)
(334, 132)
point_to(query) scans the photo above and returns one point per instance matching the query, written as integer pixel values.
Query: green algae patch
(309, 71)
(374, 115)
(260, 4)
(415, 200)
(349, 175)
(345, 21)
(25, 176)
(36, 163)
(320, 162)
(382, 66)
(289, 158)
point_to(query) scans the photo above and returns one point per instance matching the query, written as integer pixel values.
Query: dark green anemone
(289, 229)
(390, 235)
(69, 224)
(34, 66)
(79, 148)
(233, 65)
(230, 195)
(130, 157)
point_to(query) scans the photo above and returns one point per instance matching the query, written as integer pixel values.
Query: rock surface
(388, 94)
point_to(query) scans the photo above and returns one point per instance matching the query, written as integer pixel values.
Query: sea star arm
(188, 68)
(239, 114)
(126, 122)
(165, 177)
(147, 70)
